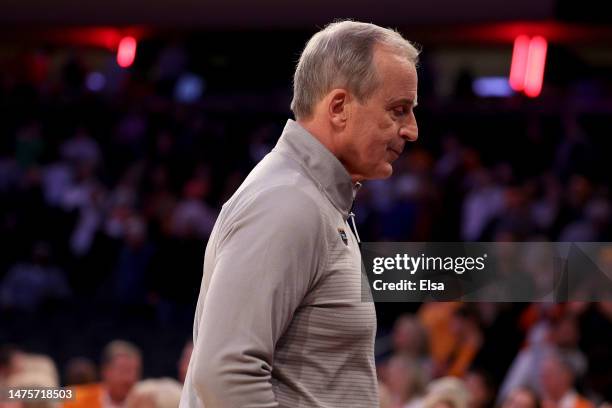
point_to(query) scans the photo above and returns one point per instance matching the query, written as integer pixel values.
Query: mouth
(396, 152)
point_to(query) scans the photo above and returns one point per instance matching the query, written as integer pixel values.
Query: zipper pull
(352, 218)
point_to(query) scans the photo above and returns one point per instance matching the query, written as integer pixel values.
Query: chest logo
(343, 236)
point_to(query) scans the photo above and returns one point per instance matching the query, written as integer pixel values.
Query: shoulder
(288, 204)
(278, 188)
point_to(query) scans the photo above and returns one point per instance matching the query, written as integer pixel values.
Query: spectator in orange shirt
(121, 369)
(455, 336)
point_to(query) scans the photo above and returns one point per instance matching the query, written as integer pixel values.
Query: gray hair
(340, 56)
(118, 348)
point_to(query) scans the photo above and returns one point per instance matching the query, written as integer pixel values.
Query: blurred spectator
(57, 177)
(120, 369)
(192, 217)
(87, 196)
(80, 370)
(155, 393)
(134, 263)
(578, 192)
(560, 336)
(450, 159)
(484, 202)
(447, 392)
(481, 387)
(405, 381)
(455, 336)
(592, 226)
(28, 285)
(41, 364)
(557, 377)
(159, 201)
(11, 361)
(410, 338)
(34, 371)
(81, 149)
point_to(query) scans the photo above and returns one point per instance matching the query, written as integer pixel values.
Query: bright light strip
(536, 62)
(126, 52)
(518, 67)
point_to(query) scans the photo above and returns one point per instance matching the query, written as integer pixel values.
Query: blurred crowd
(446, 355)
(484, 355)
(117, 382)
(108, 194)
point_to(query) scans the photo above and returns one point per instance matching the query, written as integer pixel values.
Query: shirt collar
(320, 164)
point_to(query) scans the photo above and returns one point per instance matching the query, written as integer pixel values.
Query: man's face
(555, 378)
(120, 374)
(378, 128)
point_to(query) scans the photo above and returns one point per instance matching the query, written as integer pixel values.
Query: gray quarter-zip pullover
(280, 320)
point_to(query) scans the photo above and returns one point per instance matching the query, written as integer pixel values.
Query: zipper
(351, 215)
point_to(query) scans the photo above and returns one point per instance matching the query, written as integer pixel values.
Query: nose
(410, 130)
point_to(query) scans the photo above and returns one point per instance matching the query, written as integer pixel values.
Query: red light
(126, 52)
(527, 68)
(518, 68)
(535, 66)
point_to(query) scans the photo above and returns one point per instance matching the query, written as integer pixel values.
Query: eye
(400, 111)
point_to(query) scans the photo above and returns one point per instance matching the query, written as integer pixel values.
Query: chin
(382, 173)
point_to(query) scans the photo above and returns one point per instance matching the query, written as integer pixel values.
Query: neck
(326, 136)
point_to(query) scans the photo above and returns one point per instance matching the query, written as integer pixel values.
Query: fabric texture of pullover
(284, 318)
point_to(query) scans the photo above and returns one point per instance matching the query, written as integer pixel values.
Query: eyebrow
(403, 101)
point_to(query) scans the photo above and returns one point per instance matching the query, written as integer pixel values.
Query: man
(280, 321)
(557, 378)
(121, 368)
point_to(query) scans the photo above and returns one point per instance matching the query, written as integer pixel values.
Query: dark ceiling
(266, 14)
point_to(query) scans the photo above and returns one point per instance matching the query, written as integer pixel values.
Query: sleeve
(264, 265)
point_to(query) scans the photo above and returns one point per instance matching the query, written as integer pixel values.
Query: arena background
(111, 177)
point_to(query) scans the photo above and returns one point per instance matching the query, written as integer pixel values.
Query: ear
(338, 104)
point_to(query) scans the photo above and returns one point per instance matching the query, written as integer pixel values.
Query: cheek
(372, 136)
(385, 123)
(374, 144)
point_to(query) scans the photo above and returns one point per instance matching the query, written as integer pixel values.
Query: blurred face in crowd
(371, 134)
(398, 378)
(480, 394)
(556, 378)
(408, 337)
(520, 398)
(566, 332)
(120, 375)
(402, 378)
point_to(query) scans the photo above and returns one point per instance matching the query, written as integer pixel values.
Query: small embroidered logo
(343, 236)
